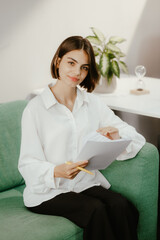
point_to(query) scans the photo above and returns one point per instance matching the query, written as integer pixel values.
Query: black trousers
(103, 214)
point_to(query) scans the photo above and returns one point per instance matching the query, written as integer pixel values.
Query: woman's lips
(74, 79)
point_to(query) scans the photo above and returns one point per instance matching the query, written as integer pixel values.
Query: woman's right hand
(68, 171)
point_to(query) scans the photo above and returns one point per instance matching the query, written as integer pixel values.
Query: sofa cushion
(19, 223)
(10, 131)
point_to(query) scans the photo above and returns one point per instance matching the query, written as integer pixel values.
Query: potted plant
(108, 55)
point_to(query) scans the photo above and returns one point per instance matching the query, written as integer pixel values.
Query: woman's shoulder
(33, 104)
(95, 101)
(93, 98)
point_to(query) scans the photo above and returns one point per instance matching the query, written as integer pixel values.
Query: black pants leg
(122, 214)
(100, 212)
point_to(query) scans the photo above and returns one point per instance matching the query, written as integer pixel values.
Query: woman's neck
(64, 94)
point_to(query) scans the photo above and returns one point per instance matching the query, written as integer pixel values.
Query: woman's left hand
(109, 132)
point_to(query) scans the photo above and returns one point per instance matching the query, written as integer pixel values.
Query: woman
(53, 126)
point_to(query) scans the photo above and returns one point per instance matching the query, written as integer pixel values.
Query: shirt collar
(82, 95)
(50, 100)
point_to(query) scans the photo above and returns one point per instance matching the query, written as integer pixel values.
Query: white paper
(101, 151)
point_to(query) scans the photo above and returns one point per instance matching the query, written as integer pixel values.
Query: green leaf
(115, 68)
(117, 39)
(94, 40)
(98, 34)
(109, 76)
(98, 68)
(120, 54)
(123, 66)
(112, 47)
(104, 64)
(96, 50)
(111, 55)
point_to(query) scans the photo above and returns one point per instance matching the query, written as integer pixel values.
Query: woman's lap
(71, 204)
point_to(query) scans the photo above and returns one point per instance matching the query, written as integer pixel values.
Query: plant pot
(105, 87)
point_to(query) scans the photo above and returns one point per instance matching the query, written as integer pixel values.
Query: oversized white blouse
(52, 134)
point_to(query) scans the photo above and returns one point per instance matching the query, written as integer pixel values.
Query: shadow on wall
(11, 14)
(145, 45)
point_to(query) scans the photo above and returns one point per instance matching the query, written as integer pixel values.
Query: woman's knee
(119, 202)
(97, 205)
(122, 204)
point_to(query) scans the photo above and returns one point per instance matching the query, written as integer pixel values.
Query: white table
(141, 111)
(122, 100)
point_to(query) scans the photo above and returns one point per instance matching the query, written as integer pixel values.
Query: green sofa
(136, 179)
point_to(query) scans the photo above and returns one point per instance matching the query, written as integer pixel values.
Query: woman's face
(73, 67)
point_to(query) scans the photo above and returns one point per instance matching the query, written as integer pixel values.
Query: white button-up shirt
(52, 134)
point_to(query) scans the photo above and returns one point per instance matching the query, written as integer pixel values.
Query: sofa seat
(17, 223)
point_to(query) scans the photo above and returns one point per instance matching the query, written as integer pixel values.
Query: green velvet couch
(136, 179)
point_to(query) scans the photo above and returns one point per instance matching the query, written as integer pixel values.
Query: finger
(74, 175)
(72, 172)
(111, 129)
(102, 131)
(81, 163)
(72, 168)
(83, 166)
(99, 129)
(108, 136)
(105, 133)
(115, 135)
(70, 165)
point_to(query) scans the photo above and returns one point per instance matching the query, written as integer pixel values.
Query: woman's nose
(77, 71)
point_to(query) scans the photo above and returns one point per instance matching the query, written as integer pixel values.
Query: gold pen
(81, 169)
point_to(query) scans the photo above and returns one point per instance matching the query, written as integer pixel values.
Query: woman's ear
(57, 61)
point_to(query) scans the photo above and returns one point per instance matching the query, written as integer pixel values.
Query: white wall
(30, 32)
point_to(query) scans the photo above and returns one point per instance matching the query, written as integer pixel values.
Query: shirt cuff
(50, 180)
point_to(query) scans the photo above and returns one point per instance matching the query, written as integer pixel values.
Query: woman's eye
(85, 68)
(71, 63)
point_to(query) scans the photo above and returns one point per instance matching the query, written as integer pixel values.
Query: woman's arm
(108, 118)
(37, 172)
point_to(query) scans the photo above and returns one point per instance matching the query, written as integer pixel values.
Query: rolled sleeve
(108, 118)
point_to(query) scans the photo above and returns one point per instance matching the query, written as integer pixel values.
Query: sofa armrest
(137, 180)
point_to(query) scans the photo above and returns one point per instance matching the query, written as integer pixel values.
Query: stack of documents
(101, 151)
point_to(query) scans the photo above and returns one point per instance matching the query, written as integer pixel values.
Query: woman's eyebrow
(77, 61)
(73, 59)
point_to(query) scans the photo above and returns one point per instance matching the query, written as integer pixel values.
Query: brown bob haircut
(77, 43)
